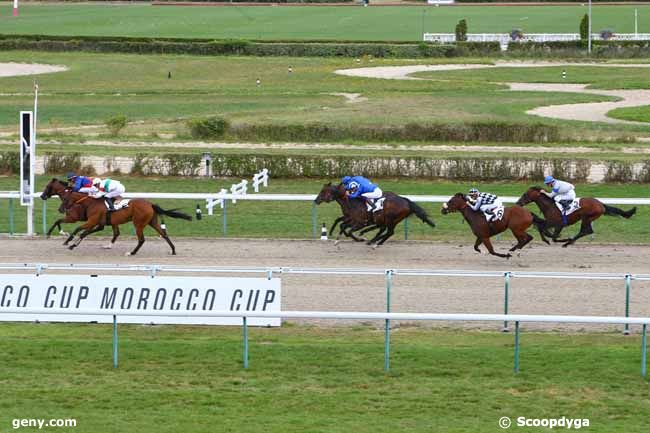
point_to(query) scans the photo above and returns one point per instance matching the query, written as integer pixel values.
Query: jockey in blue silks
(80, 183)
(360, 186)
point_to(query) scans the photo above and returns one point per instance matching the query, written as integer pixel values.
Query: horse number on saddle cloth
(497, 215)
(121, 205)
(379, 205)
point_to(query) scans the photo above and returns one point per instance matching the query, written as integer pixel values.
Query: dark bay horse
(72, 215)
(515, 218)
(355, 214)
(395, 209)
(590, 210)
(140, 211)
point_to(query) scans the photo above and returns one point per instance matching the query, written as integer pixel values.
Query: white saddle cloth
(379, 205)
(497, 214)
(574, 207)
(121, 205)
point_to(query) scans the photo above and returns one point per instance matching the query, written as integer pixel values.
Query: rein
(81, 199)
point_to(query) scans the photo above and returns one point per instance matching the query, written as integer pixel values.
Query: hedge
(500, 132)
(600, 49)
(236, 47)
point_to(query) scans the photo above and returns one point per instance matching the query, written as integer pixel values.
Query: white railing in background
(261, 178)
(239, 189)
(504, 38)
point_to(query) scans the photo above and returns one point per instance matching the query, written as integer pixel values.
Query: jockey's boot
(371, 204)
(489, 215)
(111, 206)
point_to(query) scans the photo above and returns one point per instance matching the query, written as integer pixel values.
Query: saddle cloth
(572, 208)
(121, 205)
(379, 205)
(497, 215)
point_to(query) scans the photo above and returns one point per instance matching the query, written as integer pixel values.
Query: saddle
(495, 215)
(124, 203)
(379, 205)
(572, 207)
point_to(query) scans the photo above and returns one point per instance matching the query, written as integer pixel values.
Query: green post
(314, 218)
(245, 326)
(114, 341)
(505, 299)
(389, 285)
(44, 216)
(517, 347)
(628, 283)
(224, 225)
(643, 351)
(11, 216)
(406, 229)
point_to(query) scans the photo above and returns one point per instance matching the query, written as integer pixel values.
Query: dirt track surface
(409, 294)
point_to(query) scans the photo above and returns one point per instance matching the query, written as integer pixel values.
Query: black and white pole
(323, 233)
(564, 74)
(198, 212)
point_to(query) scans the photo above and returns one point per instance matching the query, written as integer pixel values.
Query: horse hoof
(336, 242)
(71, 247)
(107, 247)
(127, 254)
(62, 233)
(374, 247)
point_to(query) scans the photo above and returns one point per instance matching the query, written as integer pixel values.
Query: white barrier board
(139, 293)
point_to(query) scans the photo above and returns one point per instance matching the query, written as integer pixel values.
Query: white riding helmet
(473, 191)
(97, 181)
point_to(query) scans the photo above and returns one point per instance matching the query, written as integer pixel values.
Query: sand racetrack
(410, 294)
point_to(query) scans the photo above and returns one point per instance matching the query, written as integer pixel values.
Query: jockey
(110, 189)
(484, 202)
(360, 186)
(562, 192)
(79, 183)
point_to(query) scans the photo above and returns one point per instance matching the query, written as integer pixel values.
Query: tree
(461, 31)
(584, 28)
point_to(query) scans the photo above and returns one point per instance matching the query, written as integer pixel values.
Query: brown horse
(515, 218)
(141, 212)
(590, 210)
(72, 215)
(394, 210)
(355, 213)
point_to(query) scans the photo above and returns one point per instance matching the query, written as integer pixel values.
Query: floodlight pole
(589, 34)
(15, 8)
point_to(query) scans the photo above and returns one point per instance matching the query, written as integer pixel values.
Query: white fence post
(239, 188)
(261, 178)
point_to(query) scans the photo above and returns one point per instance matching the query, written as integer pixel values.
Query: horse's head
(531, 195)
(329, 193)
(456, 203)
(53, 187)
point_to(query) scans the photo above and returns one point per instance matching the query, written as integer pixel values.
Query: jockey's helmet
(352, 186)
(70, 175)
(548, 180)
(346, 179)
(97, 181)
(473, 191)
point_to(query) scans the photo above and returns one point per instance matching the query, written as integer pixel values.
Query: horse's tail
(420, 213)
(614, 211)
(173, 213)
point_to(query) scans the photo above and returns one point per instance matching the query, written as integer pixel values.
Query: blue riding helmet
(549, 179)
(71, 175)
(346, 179)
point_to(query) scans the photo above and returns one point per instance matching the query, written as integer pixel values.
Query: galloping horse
(355, 213)
(72, 215)
(394, 210)
(140, 211)
(590, 210)
(515, 218)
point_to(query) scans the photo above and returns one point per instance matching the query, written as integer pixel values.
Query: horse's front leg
(73, 234)
(88, 229)
(57, 223)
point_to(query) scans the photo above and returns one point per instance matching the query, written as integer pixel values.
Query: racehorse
(355, 213)
(515, 218)
(590, 210)
(140, 211)
(72, 215)
(394, 210)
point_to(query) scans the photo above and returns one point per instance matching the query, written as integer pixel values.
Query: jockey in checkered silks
(485, 202)
(360, 186)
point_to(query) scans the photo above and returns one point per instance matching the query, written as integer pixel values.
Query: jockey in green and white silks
(562, 192)
(485, 202)
(109, 189)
